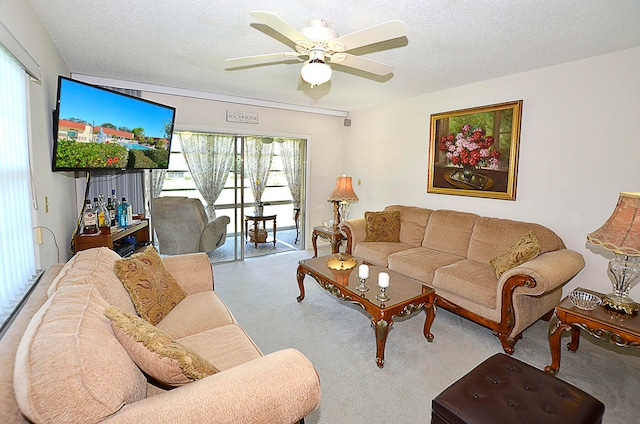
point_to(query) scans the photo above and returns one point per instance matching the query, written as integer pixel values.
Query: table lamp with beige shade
(621, 235)
(341, 196)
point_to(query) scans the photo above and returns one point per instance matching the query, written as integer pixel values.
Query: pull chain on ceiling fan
(323, 46)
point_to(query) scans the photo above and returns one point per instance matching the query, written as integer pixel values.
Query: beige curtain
(258, 156)
(210, 159)
(292, 163)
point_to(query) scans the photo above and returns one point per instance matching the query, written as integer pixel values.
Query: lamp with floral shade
(621, 235)
(341, 196)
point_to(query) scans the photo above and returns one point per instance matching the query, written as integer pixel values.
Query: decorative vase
(468, 171)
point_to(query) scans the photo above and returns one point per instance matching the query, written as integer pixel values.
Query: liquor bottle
(111, 212)
(115, 202)
(123, 213)
(89, 221)
(99, 211)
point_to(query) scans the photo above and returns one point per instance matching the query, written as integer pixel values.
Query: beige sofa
(451, 251)
(61, 362)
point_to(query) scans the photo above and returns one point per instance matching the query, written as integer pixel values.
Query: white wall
(324, 134)
(20, 19)
(579, 149)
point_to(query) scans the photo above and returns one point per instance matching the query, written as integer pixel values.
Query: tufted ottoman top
(503, 389)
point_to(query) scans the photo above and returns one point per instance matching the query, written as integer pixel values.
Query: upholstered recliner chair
(182, 226)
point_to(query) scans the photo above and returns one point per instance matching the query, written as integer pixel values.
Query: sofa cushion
(472, 280)
(449, 231)
(382, 226)
(378, 252)
(69, 367)
(197, 312)
(227, 346)
(152, 288)
(95, 267)
(413, 221)
(155, 352)
(523, 250)
(492, 236)
(420, 263)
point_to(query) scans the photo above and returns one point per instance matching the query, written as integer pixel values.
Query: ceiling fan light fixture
(316, 72)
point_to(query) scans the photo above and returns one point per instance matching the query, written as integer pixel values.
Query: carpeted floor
(339, 340)
(285, 242)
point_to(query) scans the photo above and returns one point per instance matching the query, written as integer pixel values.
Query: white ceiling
(184, 43)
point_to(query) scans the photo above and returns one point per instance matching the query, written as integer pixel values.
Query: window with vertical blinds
(17, 256)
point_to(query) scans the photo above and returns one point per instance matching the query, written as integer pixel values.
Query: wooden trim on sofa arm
(503, 328)
(347, 233)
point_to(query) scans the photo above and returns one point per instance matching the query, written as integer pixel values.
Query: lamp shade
(316, 72)
(343, 191)
(621, 232)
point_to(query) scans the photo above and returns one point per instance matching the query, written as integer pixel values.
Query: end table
(617, 328)
(331, 234)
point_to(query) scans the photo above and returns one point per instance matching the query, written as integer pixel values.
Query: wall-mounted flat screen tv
(96, 128)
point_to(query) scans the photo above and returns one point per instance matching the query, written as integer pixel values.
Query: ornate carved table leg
(314, 242)
(335, 245)
(382, 331)
(575, 339)
(300, 276)
(556, 328)
(430, 310)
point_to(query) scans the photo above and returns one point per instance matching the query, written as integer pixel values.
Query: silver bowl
(584, 300)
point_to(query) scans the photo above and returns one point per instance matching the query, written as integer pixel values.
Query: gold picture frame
(474, 152)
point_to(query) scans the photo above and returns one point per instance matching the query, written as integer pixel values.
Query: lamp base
(620, 303)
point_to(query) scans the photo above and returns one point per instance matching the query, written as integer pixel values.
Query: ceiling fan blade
(279, 25)
(264, 57)
(359, 62)
(371, 35)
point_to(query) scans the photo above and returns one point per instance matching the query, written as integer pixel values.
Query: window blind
(17, 256)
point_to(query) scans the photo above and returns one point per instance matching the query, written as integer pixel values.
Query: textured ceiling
(184, 43)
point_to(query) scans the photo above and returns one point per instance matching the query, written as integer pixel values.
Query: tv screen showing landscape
(97, 128)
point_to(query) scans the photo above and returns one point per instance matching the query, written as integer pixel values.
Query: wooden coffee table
(406, 296)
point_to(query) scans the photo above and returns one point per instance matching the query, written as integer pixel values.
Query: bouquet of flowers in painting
(470, 148)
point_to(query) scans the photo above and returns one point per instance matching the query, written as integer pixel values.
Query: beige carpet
(338, 338)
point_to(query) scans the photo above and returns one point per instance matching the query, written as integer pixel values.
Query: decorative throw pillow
(382, 226)
(153, 290)
(523, 250)
(155, 352)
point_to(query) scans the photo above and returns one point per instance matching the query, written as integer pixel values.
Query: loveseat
(64, 360)
(463, 256)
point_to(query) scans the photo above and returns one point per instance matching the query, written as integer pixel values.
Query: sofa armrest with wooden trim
(61, 362)
(451, 251)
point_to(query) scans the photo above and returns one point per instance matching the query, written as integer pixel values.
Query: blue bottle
(123, 213)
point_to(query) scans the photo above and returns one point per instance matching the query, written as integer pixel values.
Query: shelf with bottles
(110, 236)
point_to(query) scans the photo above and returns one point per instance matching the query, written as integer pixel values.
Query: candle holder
(362, 287)
(382, 296)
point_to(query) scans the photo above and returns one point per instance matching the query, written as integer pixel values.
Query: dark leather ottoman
(503, 389)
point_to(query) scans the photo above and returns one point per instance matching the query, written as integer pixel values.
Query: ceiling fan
(322, 45)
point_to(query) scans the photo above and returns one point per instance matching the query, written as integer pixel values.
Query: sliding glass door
(265, 171)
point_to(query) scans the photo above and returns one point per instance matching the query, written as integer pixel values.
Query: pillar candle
(363, 271)
(383, 279)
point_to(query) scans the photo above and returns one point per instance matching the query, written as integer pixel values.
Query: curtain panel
(210, 159)
(292, 163)
(258, 157)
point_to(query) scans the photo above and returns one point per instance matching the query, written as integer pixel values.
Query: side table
(257, 219)
(617, 328)
(331, 234)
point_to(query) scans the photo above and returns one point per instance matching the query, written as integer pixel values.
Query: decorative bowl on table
(584, 300)
(341, 261)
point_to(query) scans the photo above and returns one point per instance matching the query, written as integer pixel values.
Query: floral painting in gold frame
(474, 152)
